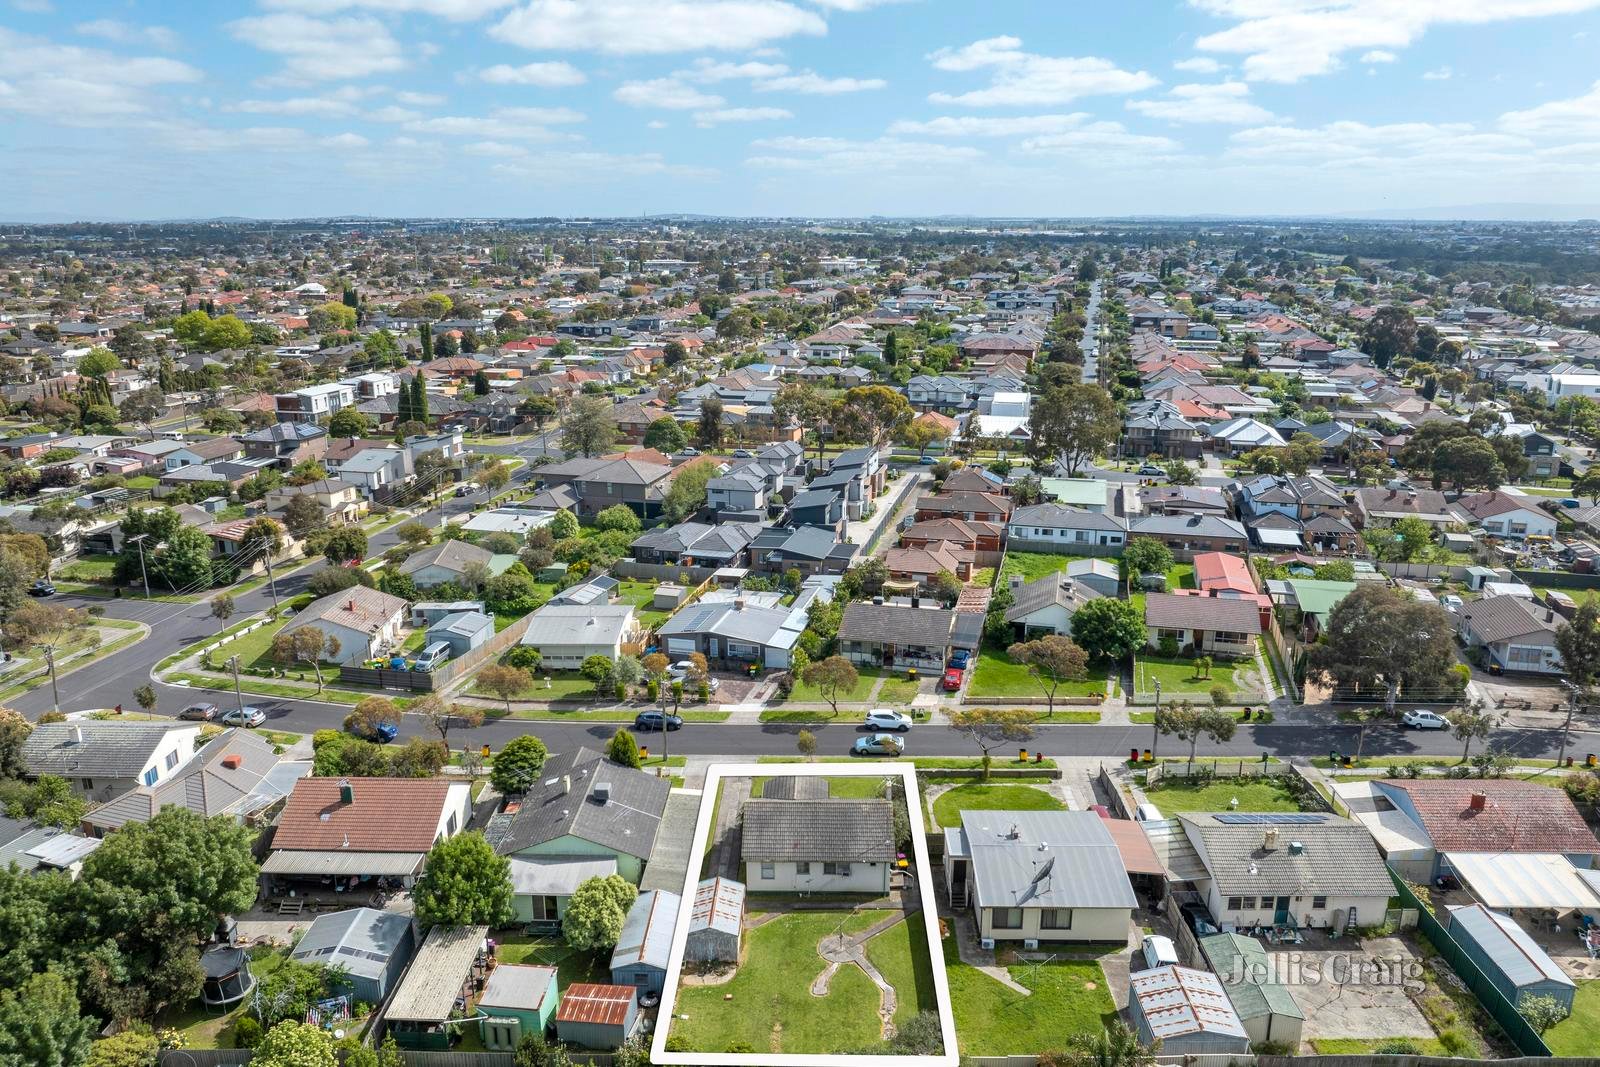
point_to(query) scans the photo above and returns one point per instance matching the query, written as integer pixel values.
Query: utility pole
(1566, 727)
(55, 691)
(233, 665)
(1155, 724)
(138, 539)
(272, 582)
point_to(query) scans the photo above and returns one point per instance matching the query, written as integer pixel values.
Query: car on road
(887, 719)
(878, 745)
(1418, 719)
(688, 452)
(466, 488)
(380, 733)
(743, 453)
(960, 658)
(1150, 470)
(42, 587)
(246, 716)
(657, 720)
(953, 677)
(926, 461)
(201, 712)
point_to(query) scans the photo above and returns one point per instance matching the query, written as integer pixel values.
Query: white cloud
(557, 74)
(322, 49)
(853, 5)
(502, 124)
(1351, 146)
(393, 114)
(1378, 55)
(419, 99)
(655, 124)
(812, 83)
(1577, 117)
(74, 86)
(1198, 65)
(1438, 74)
(666, 93)
(1224, 102)
(337, 102)
(494, 149)
(836, 154)
(1110, 142)
(345, 141)
(127, 33)
(988, 126)
(591, 168)
(1021, 79)
(713, 70)
(456, 10)
(741, 114)
(1286, 42)
(654, 27)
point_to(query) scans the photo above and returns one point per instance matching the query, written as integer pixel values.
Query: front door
(1280, 914)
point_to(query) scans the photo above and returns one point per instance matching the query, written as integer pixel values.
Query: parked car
(953, 677)
(199, 712)
(878, 745)
(887, 719)
(743, 453)
(466, 488)
(246, 716)
(1150, 470)
(657, 720)
(688, 451)
(1418, 719)
(1159, 951)
(960, 658)
(379, 732)
(926, 461)
(42, 587)
(679, 672)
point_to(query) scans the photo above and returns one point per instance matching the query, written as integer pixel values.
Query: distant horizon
(121, 111)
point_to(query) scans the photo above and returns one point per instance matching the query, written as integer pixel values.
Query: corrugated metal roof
(361, 940)
(557, 876)
(516, 986)
(718, 905)
(1045, 859)
(1257, 991)
(647, 931)
(590, 1002)
(394, 864)
(1516, 954)
(441, 967)
(1182, 1000)
(1173, 848)
(1513, 880)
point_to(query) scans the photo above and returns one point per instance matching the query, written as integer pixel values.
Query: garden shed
(372, 946)
(1264, 1005)
(716, 922)
(1505, 953)
(597, 1016)
(640, 958)
(519, 999)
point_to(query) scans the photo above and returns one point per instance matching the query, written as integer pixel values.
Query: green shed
(518, 999)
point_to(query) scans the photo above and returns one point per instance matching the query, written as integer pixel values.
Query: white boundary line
(907, 773)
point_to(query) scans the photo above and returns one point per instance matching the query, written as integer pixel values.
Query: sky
(138, 109)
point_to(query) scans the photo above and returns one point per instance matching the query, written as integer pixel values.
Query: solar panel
(1269, 818)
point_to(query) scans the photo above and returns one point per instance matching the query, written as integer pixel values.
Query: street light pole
(233, 665)
(138, 539)
(1566, 727)
(1155, 723)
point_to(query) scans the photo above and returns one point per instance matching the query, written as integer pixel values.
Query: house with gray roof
(1059, 528)
(1039, 876)
(690, 544)
(1046, 605)
(899, 636)
(734, 630)
(807, 549)
(451, 561)
(1186, 535)
(104, 759)
(1211, 625)
(568, 634)
(1514, 634)
(817, 846)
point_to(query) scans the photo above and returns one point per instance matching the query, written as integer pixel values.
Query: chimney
(347, 792)
(602, 791)
(1479, 801)
(233, 761)
(77, 735)
(566, 783)
(1269, 840)
(738, 603)
(350, 605)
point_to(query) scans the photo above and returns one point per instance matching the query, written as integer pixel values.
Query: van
(1159, 951)
(430, 658)
(170, 435)
(1147, 813)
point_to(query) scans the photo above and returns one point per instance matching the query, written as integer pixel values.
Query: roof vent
(1296, 848)
(602, 791)
(77, 735)
(566, 783)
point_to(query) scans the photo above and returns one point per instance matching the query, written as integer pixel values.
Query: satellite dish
(1044, 871)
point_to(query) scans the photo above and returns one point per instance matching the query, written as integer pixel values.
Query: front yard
(254, 650)
(1180, 677)
(948, 807)
(1067, 997)
(1267, 793)
(996, 676)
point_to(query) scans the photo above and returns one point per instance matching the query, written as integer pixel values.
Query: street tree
(1578, 641)
(832, 678)
(1072, 424)
(145, 697)
(505, 682)
(51, 629)
(464, 883)
(989, 728)
(14, 732)
(222, 607)
(874, 414)
(708, 433)
(666, 435)
(1472, 722)
(922, 434)
(1050, 661)
(589, 428)
(345, 544)
(805, 742)
(371, 714)
(306, 644)
(1184, 721)
(1379, 639)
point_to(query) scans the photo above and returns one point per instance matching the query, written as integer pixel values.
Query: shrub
(1397, 1046)
(617, 517)
(1169, 646)
(246, 1032)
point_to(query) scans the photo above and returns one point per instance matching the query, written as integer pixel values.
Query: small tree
(597, 669)
(1109, 629)
(832, 678)
(307, 644)
(596, 911)
(618, 517)
(1051, 660)
(370, 714)
(1185, 722)
(989, 728)
(444, 717)
(1202, 667)
(1472, 723)
(1541, 1010)
(295, 1044)
(505, 682)
(806, 742)
(222, 607)
(464, 883)
(1113, 1046)
(517, 766)
(1145, 555)
(145, 697)
(623, 748)
(1220, 695)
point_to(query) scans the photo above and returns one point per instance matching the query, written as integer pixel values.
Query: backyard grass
(1365, 1046)
(1179, 678)
(641, 595)
(994, 797)
(996, 676)
(202, 1027)
(901, 955)
(1254, 794)
(1575, 1035)
(768, 1005)
(1068, 997)
(1033, 565)
(572, 965)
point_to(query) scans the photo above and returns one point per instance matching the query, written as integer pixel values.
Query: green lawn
(564, 685)
(768, 1005)
(1032, 565)
(1179, 678)
(996, 676)
(1364, 1046)
(572, 965)
(89, 569)
(254, 649)
(1068, 997)
(838, 788)
(203, 1027)
(994, 797)
(1575, 1035)
(141, 481)
(867, 677)
(641, 595)
(1254, 794)
(901, 955)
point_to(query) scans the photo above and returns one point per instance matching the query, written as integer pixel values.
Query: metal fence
(1527, 1040)
(440, 677)
(1214, 768)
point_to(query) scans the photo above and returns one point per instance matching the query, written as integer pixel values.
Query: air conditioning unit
(987, 944)
(1030, 944)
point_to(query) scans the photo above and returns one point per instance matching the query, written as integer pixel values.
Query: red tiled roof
(590, 1002)
(387, 815)
(1517, 816)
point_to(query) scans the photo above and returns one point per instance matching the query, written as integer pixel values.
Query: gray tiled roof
(895, 625)
(452, 555)
(860, 830)
(1043, 592)
(107, 749)
(1337, 856)
(1179, 612)
(625, 822)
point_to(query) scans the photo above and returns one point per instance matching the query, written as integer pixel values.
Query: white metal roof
(1507, 880)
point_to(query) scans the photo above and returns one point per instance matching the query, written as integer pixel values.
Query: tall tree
(590, 427)
(41, 1024)
(464, 883)
(596, 911)
(1578, 641)
(1381, 639)
(1072, 424)
(709, 432)
(425, 332)
(1389, 333)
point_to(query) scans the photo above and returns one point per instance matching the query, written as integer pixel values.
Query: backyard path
(842, 949)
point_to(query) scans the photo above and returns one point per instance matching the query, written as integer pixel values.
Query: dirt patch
(1355, 989)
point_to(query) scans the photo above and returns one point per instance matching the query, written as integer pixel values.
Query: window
(450, 827)
(1055, 919)
(1006, 918)
(1235, 903)
(840, 869)
(803, 867)
(172, 759)
(768, 871)
(151, 775)
(641, 978)
(1318, 903)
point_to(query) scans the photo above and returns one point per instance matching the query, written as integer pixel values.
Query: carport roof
(1509, 880)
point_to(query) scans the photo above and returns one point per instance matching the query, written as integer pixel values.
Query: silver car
(246, 716)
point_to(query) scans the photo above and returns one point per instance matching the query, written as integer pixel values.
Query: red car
(952, 679)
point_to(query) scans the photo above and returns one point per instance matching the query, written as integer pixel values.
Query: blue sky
(136, 109)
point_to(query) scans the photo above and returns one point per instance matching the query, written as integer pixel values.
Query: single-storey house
(104, 759)
(1502, 514)
(372, 947)
(451, 561)
(1212, 625)
(1515, 634)
(1186, 535)
(1065, 529)
(568, 634)
(444, 970)
(1188, 1011)
(1047, 604)
(1035, 876)
(640, 956)
(519, 999)
(734, 630)
(818, 846)
(365, 621)
(892, 635)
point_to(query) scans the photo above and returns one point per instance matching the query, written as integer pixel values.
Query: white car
(1425, 720)
(887, 719)
(680, 671)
